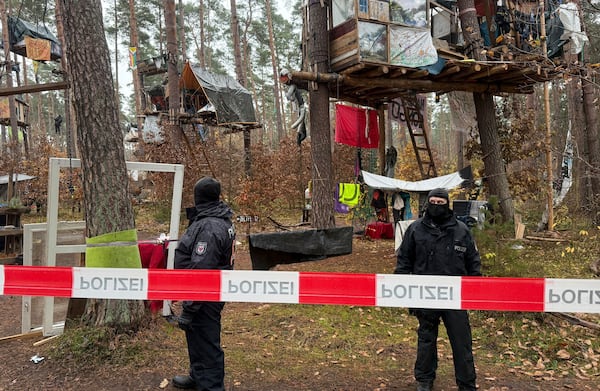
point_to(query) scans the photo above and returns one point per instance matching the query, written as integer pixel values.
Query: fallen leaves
(563, 354)
(163, 384)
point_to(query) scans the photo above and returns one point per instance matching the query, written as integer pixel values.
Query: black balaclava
(206, 190)
(438, 213)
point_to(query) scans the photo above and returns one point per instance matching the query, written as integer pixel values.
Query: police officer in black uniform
(439, 244)
(208, 243)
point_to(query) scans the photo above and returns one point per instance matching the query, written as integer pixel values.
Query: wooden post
(70, 128)
(381, 146)
(548, 139)
(15, 155)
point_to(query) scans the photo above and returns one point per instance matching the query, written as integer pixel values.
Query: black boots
(424, 386)
(184, 381)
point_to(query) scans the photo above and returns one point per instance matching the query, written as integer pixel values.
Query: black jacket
(445, 249)
(208, 241)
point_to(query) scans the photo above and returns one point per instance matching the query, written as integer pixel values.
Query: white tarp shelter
(16, 178)
(447, 182)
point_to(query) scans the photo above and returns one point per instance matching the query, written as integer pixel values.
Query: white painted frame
(28, 231)
(56, 164)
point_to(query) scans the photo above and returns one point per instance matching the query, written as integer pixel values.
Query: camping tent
(232, 103)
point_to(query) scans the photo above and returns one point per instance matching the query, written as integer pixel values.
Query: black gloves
(184, 321)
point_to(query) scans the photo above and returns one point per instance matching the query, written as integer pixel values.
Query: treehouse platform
(383, 49)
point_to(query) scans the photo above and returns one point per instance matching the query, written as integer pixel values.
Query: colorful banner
(411, 47)
(132, 58)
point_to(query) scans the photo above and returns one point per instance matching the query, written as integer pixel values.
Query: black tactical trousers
(459, 332)
(207, 360)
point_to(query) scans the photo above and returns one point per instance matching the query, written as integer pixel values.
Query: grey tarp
(270, 249)
(232, 102)
(19, 28)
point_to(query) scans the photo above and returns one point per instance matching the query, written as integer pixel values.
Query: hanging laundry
(379, 203)
(391, 156)
(358, 163)
(349, 193)
(338, 207)
(352, 127)
(407, 214)
(569, 16)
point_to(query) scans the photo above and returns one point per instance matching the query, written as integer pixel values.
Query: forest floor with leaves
(310, 347)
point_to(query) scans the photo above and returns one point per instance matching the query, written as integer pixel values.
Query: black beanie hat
(439, 192)
(206, 189)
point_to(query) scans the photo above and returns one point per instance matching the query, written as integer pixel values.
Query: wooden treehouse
(386, 50)
(21, 112)
(205, 98)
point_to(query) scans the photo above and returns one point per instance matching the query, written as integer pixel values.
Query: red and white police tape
(384, 290)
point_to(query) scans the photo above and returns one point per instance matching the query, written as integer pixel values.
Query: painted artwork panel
(372, 39)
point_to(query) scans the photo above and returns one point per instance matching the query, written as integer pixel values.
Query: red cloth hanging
(485, 7)
(351, 127)
(153, 256)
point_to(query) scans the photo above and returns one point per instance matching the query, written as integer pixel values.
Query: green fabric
(118, 256)
(349, 193)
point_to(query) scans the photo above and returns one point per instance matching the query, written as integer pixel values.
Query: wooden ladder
(204, 165)
(415, 122)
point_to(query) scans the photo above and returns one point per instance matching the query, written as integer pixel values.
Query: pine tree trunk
(201, 58)
(172, 130)
(117, 93)
(14, 148)
(70, 128)
(591, 121)
(320, 143)
(105, 180)
(495, 171)
(462, 110)
(173, 77)
(273, 50)
(237, 52)
(182, 33)
(581, 184)
(241, 77)
(591, 197)
(137, 91)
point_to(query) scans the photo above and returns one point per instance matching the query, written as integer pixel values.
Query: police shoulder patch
(201, 247)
